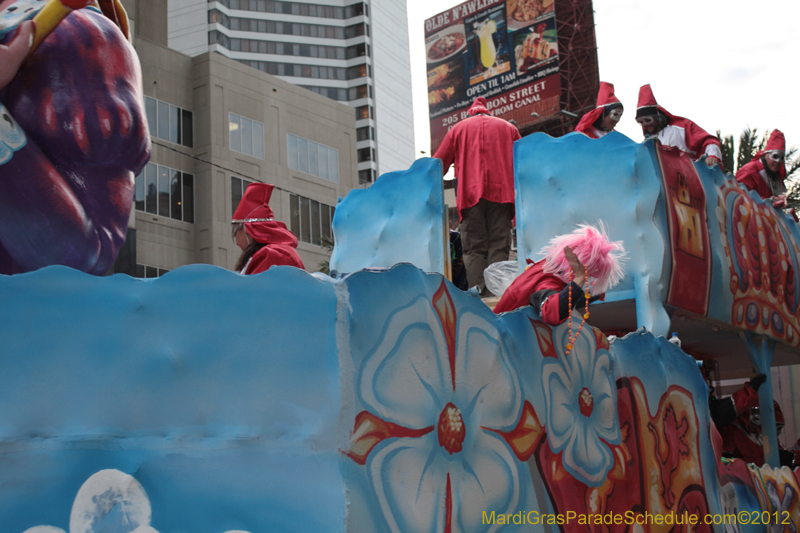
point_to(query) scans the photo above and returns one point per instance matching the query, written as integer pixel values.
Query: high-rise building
(353, 52)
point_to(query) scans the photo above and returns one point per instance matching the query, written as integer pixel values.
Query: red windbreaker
(754, 176)
(532, 280)
(272, 255)
(482, 148)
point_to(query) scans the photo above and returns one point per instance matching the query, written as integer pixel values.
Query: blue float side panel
(397, 220)
(192, 383)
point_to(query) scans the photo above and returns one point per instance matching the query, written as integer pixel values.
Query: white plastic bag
(498, 276)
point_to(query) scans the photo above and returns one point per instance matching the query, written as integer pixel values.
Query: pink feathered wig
(603, 258)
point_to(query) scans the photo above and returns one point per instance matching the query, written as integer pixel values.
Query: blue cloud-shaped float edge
(398, 219)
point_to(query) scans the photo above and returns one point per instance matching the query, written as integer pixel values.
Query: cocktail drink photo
(485, 33)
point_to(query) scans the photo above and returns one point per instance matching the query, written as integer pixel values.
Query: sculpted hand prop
(577, 267)
(12, 55)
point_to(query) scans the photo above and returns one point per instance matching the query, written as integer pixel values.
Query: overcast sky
(723, 64)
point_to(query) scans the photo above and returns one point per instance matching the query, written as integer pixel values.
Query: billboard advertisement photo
(503, 50)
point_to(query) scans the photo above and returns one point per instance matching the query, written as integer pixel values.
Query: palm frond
(325, 266)
(727, 151)
(749, 144)
(792, 164)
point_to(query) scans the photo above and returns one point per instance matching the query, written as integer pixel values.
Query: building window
(355, 10)
(238, 186)
(366, 176)
(365, 133)
(169, 122)
(285, 28)
(363, 112)
(246, 136)
(217, 37)
(146, 271)
(364, 154)
(217, 16)
(359, 92)
(358, 71)
(286, 49)
(291, 69)
(358, 50)
(333, 93)
(165, 192)
(341, 95)
(296, 8)
(313, 158)
(310, 220)
(356, 30)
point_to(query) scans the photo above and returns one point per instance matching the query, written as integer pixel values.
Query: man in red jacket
(675, 131)
(766, 172)
(482, 148)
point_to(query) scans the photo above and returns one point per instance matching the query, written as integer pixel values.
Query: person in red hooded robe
(265, 242)
(553, 283)
(767, 170)
(675, 131)
(741, 438)
(482, 149)
(726, 410)
(603, 118)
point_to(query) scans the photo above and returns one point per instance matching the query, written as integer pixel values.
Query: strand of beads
(571, 340)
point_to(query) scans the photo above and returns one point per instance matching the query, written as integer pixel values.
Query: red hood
(776, 142)
(272, 232)
(605, 97)
(254, 203)
(647, 99)
(253, 210)
(478, 106)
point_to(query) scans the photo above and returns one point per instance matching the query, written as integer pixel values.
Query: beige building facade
(217, 125)
(352, 51)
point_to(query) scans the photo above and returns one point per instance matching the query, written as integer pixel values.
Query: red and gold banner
(690, 278)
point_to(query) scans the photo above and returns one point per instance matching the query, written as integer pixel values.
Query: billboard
(504, 50)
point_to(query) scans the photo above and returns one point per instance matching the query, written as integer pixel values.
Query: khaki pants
(486, 238)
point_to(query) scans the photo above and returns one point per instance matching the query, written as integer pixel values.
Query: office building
(216, 126)
(355, 53)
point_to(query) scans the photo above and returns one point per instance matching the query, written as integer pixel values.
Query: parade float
(386, 399)
(383, 398)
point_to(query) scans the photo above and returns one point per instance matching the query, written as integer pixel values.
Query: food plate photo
(446, 43)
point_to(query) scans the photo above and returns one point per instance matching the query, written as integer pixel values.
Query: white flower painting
(109, 501)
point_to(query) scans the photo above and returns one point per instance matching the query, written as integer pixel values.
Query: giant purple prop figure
(73, 135)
